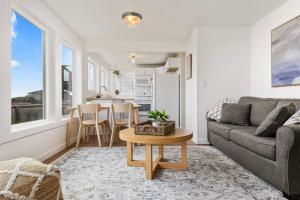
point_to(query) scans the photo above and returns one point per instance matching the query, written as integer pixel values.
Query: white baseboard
(201, 141)
(54, 151)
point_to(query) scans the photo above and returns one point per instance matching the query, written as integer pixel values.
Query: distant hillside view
(27, 108)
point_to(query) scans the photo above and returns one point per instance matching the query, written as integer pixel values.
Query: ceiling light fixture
(133, 58)
(132, 19)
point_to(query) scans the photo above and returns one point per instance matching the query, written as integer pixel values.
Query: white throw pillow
(216, 113)
(294, 119)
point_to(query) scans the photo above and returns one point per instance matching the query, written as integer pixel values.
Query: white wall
(261, 52)
(191, 88)
(44, 139)
(221, 69)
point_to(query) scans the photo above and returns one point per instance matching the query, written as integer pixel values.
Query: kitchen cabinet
(172, 64)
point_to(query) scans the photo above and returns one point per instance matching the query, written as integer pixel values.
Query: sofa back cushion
(260, 108)
(276, 118)
(282, 102)
(234, 113)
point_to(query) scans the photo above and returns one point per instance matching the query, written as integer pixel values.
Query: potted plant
(117, 73)
(158, 117)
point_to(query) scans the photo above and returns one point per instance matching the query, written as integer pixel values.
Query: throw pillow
(295, 119)
(276, 118)
(216, 113)
(236, 114)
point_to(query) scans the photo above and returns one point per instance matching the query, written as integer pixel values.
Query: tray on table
(146, 128)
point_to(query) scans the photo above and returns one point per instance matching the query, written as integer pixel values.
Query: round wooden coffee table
(179, 136)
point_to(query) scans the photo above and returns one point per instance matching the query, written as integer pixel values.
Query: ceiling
(98, 21)
(121, 60)
(163, 20)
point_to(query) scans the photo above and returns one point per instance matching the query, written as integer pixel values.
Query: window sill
(37, 126)
(32, 128)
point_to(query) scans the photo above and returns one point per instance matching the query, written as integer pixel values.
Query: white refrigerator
(166, 95)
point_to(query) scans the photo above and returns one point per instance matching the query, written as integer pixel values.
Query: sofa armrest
(288, 159)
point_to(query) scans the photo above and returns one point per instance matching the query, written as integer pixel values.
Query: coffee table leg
(149, 162)
(129, 153)
(184, 155)
(161, 150)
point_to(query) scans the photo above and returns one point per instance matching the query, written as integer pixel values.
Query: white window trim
(52, 55)
(45, 30)
(52, 39)
(90, 61)
(74, 63)
(105, 76)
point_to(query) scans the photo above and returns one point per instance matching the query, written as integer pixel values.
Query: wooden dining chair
(89, 118)
(123, 109)
(135, 112)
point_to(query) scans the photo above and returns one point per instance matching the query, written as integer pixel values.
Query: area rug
(102, 173)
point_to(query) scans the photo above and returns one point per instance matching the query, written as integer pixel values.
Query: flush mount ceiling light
(133, 57)
(132, 19)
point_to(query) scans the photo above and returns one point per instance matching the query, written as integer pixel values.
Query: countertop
(113, 98)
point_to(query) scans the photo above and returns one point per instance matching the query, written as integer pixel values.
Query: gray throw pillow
(276, 118)
(235, 113)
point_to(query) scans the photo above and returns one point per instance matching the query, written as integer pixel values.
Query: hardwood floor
(93, 142)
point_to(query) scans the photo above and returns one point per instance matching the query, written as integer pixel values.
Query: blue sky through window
(66, 59)
(66, 55)
(27, 57)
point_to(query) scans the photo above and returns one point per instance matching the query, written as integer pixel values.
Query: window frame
(52, 39)
(90, 61)
(62, 42)
(45, 30)
(103, 69)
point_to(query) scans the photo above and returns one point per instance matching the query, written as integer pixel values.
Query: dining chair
(135, 112)
(125, 113)
(89, 118)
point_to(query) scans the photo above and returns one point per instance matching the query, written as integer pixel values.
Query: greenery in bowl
(157, 115)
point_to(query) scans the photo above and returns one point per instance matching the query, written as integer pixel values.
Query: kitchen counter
(113, 98)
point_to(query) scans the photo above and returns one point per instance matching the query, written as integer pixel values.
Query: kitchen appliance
(143, 81)
(146, 105)
(166, 95)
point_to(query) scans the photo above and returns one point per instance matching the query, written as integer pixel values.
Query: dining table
(103, 107)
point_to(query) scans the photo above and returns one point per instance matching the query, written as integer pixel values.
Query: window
(102, 78)
(66, 68)
(91, 76)
(27, 71)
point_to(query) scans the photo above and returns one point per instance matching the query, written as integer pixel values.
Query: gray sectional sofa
(274, 159)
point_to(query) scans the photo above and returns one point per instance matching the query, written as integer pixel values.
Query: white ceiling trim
(136, 46)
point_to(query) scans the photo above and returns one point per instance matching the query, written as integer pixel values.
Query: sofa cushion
(264, 146)
(223, 130)
(261, 107)
(294, 119)
(282, 102)
(236, 114)
(216, 113)
(274, 120)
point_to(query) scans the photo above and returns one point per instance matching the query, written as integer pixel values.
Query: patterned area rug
(102, 173)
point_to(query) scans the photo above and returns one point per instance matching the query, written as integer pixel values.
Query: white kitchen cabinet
(145, 71)
(172, 64)
(149, 71)
(160, 70)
